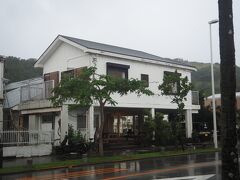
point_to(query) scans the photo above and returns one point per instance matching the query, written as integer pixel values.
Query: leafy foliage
(149, 127)
(90, 87)
(75, 136)
(163, 131)
(183, 88)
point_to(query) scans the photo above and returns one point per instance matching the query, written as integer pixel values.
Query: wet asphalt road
(162, 168)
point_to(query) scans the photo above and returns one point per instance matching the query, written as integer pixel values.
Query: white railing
(26, 137)
(36, 91)
(195, 98)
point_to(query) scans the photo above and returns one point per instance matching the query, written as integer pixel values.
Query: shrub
(148, 128)
(163, 131)
(75, 136)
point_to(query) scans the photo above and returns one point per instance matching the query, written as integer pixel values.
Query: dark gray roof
(122, 51)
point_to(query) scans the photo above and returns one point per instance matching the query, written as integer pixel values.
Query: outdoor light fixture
(213, 21)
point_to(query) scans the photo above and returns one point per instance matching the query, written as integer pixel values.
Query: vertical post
(91, 122)
(64, 121)
(1, 152)
(21, 98)
(118, 124)
(57, 128)
(153, 116)
(188, 123)
(29, 92)
(213, 90)
(1, 116)
(153, 112)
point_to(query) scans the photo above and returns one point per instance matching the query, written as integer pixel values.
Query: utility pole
(230, 164)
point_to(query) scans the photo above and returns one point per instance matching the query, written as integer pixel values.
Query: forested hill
(17, 69)
(202, 78)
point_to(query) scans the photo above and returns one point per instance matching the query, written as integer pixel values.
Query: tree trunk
(230, 169)
(100, 139)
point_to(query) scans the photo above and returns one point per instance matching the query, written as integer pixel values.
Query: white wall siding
(65, 57)
(155, 73)
(27, 151)
(68, 56)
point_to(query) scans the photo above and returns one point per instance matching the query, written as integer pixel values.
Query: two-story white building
(69, 55)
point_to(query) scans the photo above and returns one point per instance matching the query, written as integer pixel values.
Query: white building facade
(69, 55)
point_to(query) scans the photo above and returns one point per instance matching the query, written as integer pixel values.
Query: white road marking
(201, 177)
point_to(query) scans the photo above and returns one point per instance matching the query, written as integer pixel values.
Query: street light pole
(213, 88)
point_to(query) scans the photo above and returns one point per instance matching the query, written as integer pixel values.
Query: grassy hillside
(17, 69)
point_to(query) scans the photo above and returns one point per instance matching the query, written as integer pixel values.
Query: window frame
(67, 74)
(96, 121)
(165, 73)
(119, 67)
(84, 117)
(146, 81)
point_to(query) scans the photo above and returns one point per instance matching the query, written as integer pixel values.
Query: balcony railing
(16, 138)
(36, 91)
(195, 98)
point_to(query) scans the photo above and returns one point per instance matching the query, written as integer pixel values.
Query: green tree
(230, 164)
(149, 126)
(17, 69)
(163, 131)
(91, 87)
(177, 88)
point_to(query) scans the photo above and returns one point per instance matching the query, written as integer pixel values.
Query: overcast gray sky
(167, 28)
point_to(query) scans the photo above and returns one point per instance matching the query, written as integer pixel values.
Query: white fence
(36, 91)
(18, 138)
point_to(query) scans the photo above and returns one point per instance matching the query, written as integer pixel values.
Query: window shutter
(46, 77)
(52, 76)
(55, 76)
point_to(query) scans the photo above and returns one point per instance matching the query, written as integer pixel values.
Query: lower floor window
(81, 121)
(96, 121)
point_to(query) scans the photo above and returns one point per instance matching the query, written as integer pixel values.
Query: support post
(1, 153)
(153, 112)
(64, 121)
(57, 128)
(188, 123)
(91, 122)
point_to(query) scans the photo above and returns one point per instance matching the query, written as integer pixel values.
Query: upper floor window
(145, 79)
(117, 70)
(174, 85)
(67, 74)
(72, 73)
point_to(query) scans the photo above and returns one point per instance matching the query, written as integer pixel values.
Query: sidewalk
(11, 162)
